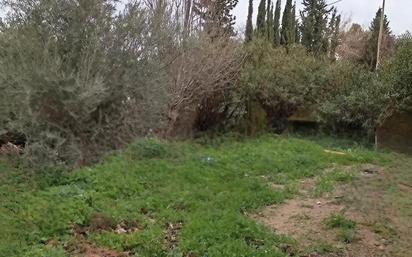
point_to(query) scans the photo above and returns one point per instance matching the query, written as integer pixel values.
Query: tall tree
(269, 21)
(297, 32)
(372, 45)
(288, 21)
(314, 26)
(249, 23)
(334, 28)
(295, 27)
(216, 16)
(261, 18)
(187, 17)
(332, 23)
(276, 23)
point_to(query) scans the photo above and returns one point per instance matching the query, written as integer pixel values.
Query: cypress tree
(249, 23)
(269, 22)
(297, 32)
(372, 46)
(334, 28)
(288, 20)
(330, 30)
(216, 17)
(294, 24)
(276, 23)
(333, 19)
(261, 18)
(314, 26)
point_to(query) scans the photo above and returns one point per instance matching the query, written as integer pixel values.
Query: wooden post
(378, 54)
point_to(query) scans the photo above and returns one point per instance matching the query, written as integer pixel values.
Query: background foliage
(82, 78)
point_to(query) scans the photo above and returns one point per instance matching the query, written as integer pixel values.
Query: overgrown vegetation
(79, 79)
(326, 182)
(398, 73)
(82, 78)
(169, 199)
(339, 221)
(346, 227)
(136, 88)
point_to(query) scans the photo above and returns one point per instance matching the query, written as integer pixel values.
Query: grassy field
(171, 199)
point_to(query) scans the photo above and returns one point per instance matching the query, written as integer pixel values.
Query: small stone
(381, 247)
(385, 242)
(371, 170)
(339, 246)
(120, 230)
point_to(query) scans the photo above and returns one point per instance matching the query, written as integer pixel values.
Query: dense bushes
(203, 79)
(354, 101)
(398, 73)
(281, 81)
(345, 96)
(79, 79)
(360, 100)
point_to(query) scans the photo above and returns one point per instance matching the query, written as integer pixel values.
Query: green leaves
(398, 73)
(346, 228)
(196, 196)
(314, 28)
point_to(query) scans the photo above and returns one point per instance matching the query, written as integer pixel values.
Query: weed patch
(346, 227)
(208, 188)
(339, 221)
(327, 182)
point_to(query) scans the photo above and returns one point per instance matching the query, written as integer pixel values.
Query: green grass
(346, 227)
(339, 221)
(208, 187)
(322, 248)
(327, 182)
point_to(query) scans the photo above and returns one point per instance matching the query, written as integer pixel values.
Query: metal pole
(378, 54)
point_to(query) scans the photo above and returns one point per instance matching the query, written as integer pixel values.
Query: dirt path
(369, 217)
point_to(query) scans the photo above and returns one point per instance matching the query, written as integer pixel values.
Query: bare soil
(98, 223)
(89, 250)
(303, 218)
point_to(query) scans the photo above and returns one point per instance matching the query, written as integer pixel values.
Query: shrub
(358, 100)
(354, 100)
(398, 73)
(147, 149)
(347, 231)
(339, 221)
(78, 79)
(205, 83)
(281, 81)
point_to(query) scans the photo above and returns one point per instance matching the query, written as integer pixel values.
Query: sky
(399, 12)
